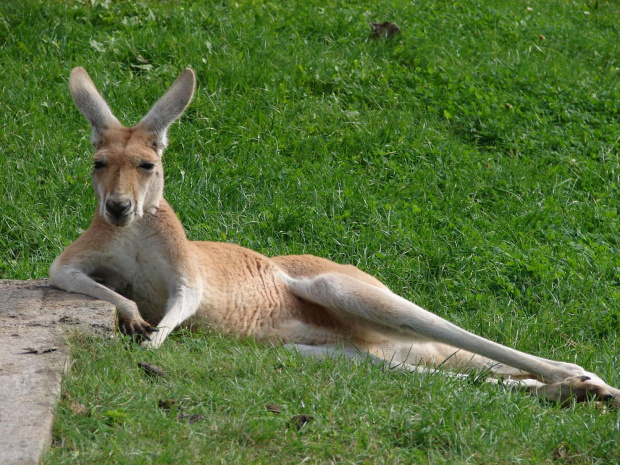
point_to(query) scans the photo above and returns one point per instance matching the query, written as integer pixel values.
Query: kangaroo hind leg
(371, 307)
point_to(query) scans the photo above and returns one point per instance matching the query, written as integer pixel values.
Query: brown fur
(136, 255)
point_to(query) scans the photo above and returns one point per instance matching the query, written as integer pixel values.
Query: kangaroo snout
(118, 211)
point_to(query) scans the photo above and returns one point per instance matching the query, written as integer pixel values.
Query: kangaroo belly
(243, 294)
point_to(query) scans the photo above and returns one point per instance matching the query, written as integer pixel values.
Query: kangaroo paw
(138, 329)
(579, 388)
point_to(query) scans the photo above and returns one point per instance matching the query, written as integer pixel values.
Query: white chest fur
(133, 265)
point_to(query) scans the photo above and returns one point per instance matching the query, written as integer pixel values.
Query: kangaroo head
(127, 168)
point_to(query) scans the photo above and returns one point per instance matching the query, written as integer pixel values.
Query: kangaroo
(135, 254)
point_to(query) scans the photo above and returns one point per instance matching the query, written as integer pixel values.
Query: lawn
(471, 163)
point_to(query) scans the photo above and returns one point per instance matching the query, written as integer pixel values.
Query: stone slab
(35, 320)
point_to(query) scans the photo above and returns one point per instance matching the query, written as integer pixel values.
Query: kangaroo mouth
(121, 221)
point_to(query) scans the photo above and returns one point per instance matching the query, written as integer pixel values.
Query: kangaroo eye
(99, 165)
(147, 166)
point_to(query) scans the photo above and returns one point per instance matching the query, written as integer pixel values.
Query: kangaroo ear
(91, 104)
(168, 108)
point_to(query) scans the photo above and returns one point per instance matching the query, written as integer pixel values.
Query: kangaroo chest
(138, 272)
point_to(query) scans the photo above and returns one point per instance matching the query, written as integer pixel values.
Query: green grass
(471, 164)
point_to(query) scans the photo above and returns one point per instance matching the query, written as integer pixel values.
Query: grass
(471, 164)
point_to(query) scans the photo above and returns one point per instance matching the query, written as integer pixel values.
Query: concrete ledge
(35, 319)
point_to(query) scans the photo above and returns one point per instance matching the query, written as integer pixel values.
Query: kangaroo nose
(116, 208)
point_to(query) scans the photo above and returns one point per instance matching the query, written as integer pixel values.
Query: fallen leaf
(299, 421)
(274, 408)
(384, 29)
(166, 404)
(152, 370)
(77, 408)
